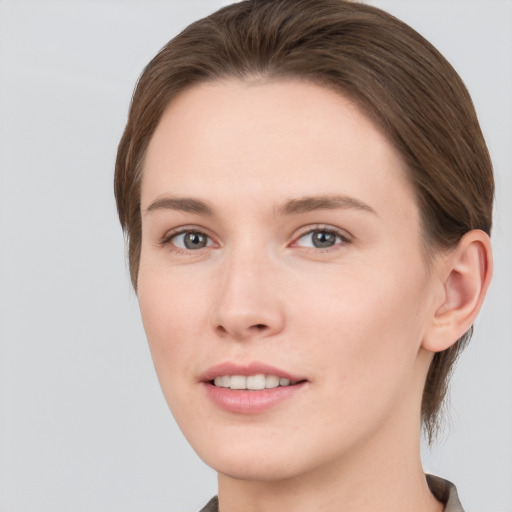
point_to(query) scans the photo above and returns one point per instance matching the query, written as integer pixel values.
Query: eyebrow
(183, 204)
(289, 207)
(312, 203)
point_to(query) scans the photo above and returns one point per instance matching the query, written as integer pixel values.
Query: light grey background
(83, 425)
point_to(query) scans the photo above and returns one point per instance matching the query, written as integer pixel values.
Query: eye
(190, 240)
(320, 239)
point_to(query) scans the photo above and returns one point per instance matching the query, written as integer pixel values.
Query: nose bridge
(248, 304)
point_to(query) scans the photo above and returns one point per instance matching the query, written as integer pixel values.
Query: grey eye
(191, 240)
(322, 239)
(319, 239)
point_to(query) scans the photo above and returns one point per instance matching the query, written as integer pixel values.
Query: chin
(259, 470)
(254, 458)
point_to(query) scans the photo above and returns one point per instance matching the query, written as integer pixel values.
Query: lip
(249, 401)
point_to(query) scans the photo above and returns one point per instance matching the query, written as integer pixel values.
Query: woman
(307, 197)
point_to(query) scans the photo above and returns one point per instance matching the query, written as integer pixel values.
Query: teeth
(256, 382)
(222, 382)
(271, 381)
(252, 382)
(238, 382)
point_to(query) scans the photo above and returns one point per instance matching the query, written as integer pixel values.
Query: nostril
(258, 328)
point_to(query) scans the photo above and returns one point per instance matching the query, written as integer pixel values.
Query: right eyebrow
(183, 204)
(312, 203)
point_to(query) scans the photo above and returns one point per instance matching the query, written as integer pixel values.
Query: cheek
(370, 322)
(362, 347)
(172, 310)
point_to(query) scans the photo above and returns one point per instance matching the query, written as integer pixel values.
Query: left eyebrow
(313, 203)
(183, 204)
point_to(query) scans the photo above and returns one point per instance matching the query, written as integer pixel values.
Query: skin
(357, 319)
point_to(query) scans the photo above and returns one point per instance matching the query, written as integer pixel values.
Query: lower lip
(250, 402)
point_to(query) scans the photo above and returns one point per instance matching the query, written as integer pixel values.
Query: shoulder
(211, 506)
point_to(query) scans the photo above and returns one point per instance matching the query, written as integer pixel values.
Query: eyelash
(168, 238)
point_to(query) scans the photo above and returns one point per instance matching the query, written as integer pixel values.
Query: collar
(442, 489)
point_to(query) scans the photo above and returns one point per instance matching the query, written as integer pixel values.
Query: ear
(464, 276)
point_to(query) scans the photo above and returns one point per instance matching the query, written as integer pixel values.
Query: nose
(249, 301)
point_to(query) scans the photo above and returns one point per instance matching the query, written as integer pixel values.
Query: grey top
(443, 490)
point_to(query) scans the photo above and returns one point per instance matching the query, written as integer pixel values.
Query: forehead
(274, 138)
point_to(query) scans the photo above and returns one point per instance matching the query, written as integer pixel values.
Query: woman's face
(281, 240)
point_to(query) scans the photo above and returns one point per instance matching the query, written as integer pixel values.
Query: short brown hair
(391, 72)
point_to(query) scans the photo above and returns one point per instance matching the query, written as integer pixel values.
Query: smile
(251, 382)
(252, 388)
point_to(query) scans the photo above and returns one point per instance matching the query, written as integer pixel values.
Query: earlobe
(465, 276)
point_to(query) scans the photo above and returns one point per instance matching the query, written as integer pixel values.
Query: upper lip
(253, 368)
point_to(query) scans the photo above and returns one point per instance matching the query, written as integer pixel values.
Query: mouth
(250, 389)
